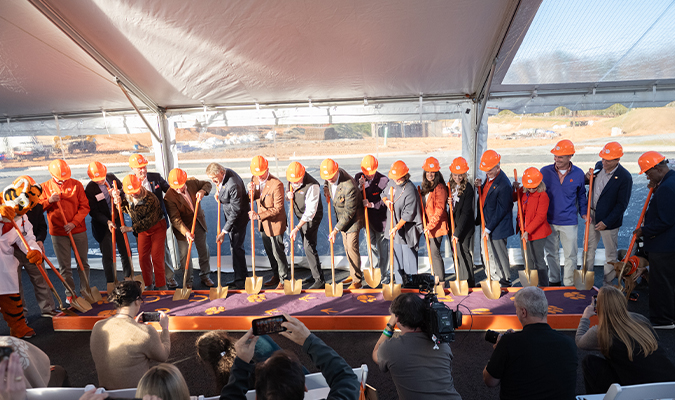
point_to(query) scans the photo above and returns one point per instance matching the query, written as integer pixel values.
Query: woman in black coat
(462, 198)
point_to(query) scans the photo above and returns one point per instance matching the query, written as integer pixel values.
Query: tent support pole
(140, 114)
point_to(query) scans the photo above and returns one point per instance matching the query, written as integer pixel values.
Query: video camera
(439, 319)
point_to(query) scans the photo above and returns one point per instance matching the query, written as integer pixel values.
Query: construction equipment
(332, 289)
(585, 279)
(253, 283)
(491, 289)
(184, 292)
(391, 290)
(220, 292)
(457, 287)
(110, 286)
(293, 286)
(77, 143)
(634, 239)
(527, 277)
(438, 288)
(371, 275)
(137, 278)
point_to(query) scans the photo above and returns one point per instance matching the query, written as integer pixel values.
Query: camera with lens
(439, 319)
(491, 336)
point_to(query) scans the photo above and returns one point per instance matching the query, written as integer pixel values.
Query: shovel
(220, 292)
(184, 292)
(293, 286)
(584, 279)
(253, 283)
(527, 277)
(91, 294)
(371, 275)
(137, 278)
(391, 290)
(438, 288)
(634, 238)
(110, 286)
(332, 289)
(457, 287)
(491, 289)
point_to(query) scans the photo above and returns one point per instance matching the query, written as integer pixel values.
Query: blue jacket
(659, 224)
(614, 198)
(565, 199)
(498, 207)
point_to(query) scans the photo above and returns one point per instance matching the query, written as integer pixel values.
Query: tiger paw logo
(107, 313)
(366, 298)
(256, 298)
(273, 311)
(446, 299)
(554, 310)
(214, 310)
(575, 295)
(482, 311)
(307, 298)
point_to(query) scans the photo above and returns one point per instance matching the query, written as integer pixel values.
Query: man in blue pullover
(567, 197)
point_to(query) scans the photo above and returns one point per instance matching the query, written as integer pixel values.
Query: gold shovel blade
(391, 291)
(334, 290)
(87, 296)
(373, 277)
(80, 304)
(219, 292)
(110, 286)
(182, 294)
(491, 289)
(459, 288)
(95, 294)
(584, 281)
(253, 284)
(531, 280)
(292, 286)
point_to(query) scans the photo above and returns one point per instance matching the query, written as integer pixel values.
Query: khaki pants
(63, 250)
(610, 239)
(43, 294)
(350, 240)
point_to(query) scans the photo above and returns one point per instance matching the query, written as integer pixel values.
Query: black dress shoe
(504, 283)
(318, 285)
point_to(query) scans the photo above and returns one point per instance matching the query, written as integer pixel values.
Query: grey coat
(234, 200)
(407, 208)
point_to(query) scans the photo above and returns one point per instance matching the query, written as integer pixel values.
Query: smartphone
(150, 316)
(5, 352)
(594, 302)
(264, 326)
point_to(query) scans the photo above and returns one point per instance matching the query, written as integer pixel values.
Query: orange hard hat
(295, 172)
(459, 166)
(563, 148)
(97, 171)
(328, 169)
(398, 170)
(369, 165)
(649, 160)
(259, 165)
(177, 178)
(137, 161)
(611, 151)
(431, 165)
(59, 170)
(131, 184)
(489, 160)
(532, 178)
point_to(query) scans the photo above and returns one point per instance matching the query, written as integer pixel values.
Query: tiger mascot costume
(19, 197)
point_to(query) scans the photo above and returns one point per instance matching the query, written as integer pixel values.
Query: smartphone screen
(264, 326)
(152, 316)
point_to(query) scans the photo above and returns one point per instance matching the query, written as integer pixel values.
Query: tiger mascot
(19, 197)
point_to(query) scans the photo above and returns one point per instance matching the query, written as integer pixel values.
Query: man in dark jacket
(497, 209)
(659, 236)
(612, 186)
(231, 193)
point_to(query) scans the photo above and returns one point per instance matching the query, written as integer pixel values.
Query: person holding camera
(122, 346)
(536, 363)
(419, 369)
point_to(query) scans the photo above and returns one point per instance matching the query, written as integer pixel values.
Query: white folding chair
(648, 391)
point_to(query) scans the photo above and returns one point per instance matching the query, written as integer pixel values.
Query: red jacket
(535, 208)
(436, 214)
(73, 201)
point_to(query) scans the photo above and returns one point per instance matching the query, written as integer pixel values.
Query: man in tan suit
(269, 193)
(180, 203)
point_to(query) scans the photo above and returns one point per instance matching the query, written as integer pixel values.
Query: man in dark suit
(612, 186)
(231, 193)
(180, 203)
(102, 223)
(154, 182)
(497, 209)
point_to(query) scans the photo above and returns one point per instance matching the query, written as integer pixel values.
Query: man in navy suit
(612, 186)
(497, 209)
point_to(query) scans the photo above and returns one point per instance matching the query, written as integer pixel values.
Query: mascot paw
(7, 212)
(34, 257)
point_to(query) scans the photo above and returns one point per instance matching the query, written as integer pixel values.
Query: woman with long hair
(632, 354)
(434, 199)
(462, 198)
(164, 381)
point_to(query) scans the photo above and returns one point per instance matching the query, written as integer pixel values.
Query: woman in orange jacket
(434, 198)
(535, 206)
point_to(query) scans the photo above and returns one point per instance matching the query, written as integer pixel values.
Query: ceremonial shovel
(137, 278)
(438, 288)
(391, 290)
(111, 286)
(293, 286)
(371, 275)
(220, 292)
(332, 289)
(184, 292)
(253, 283)
(457, 287)
(584, 279)
(491, 289)
(634, 238)
(527, 277)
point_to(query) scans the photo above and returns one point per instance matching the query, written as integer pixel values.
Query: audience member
(418, 368)
(35, 364)
(164, 381)
(631, 352)
(12, 381)
(537, 363)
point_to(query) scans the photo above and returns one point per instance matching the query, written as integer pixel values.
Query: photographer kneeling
(419, 369)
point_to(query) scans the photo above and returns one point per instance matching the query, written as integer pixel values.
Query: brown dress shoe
(206, 281)
(171, 283)
(355, 285)
(272, 282)
(346, 281)
(280, 286)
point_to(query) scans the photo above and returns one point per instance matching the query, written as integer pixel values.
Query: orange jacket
(73, 201)
(437, 216)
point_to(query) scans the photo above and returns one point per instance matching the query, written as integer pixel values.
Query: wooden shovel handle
(72, 240)
(452, 227)
(485, 242)
(251, 200)
(424, 225)
(124, 234)
(588, 209)
(365, 210)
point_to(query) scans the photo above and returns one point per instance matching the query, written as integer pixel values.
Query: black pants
(662, 288)
(464, 270)
(436, 257)
(107, 253)
(276, 253)
(598, 374)
(309, 233)
(237, 236)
